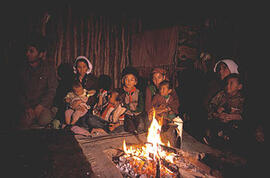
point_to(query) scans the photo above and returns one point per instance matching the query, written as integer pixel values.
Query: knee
(45, 117)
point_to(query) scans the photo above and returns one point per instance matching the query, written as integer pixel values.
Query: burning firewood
(156, 159)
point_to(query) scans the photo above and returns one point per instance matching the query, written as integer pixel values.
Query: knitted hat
(233, 67)
(130, 70)
(87, 61)
(161, 71)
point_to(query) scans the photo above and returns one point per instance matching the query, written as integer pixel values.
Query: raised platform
(99, 150)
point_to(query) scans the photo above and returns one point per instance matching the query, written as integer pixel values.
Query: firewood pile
(174, 163)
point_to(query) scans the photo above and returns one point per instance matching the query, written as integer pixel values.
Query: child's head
(158, 75)
(129, 77)
(165, 88)
(77, 88)
(113, 96)
(233, 84)
(104, 82)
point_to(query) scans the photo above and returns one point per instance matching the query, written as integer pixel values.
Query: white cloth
(233, 67)
(87, 60)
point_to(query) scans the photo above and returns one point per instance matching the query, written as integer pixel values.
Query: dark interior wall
(222, 38)
(153, 15)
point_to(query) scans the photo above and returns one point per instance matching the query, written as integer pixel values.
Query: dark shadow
(42, 153)
(65, 74)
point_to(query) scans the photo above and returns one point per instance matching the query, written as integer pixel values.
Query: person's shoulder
(157, 95)
(48, 64)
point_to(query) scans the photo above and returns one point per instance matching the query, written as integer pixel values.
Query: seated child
(225, 111)
(132, 99)
(166, 107)
(76, 100)
(113, 112)
(104, 85)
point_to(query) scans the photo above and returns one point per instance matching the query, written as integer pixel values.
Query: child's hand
(235, 110)
(81, 108)
(229, 117)
(91, 93)
(220, 110)
(75, 103)
(223, 117)
(29, 113)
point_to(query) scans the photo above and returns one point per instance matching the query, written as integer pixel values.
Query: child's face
(130, 81)
(233, 86)
(157, 78)
(164, 90)
(78, 90)
(82, 68)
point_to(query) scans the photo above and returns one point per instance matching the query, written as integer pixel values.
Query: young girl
(132, 99)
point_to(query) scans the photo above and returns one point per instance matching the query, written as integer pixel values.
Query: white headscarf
(233, 67)
(89, 64)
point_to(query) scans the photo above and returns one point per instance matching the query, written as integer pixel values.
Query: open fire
(154, 158)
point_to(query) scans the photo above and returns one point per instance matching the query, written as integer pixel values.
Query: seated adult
(37, 84)
(82, 72)
(82, 69)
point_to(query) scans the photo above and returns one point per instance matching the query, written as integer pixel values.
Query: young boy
(132, 99)
(165, 104)
(76, 100)
(225, 110)
(166, 108)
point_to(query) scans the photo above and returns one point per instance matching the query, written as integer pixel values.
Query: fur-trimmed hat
(88, 64)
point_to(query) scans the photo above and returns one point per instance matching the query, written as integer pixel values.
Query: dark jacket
(38, 85)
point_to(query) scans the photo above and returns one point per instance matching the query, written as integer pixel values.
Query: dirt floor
(42, 153)
(56, 153)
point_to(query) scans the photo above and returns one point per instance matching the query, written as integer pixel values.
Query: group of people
(90, 102)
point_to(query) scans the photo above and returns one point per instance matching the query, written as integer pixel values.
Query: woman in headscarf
(82, 69)
(222, 68)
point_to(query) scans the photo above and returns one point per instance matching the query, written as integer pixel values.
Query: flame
(152, 150)
(124, 146)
